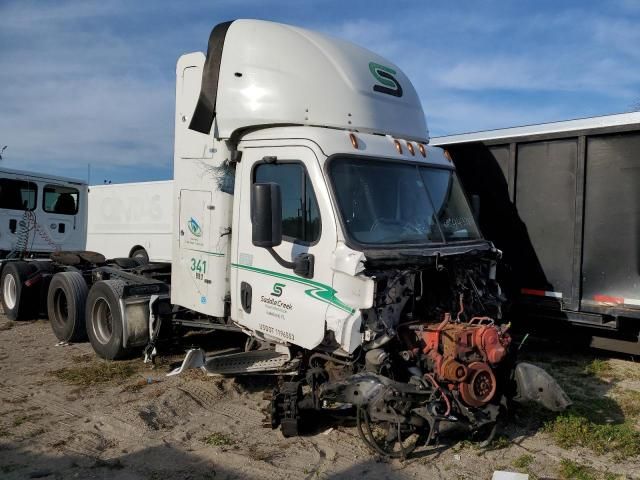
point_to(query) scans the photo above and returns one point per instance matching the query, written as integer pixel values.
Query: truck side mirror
(266, 215)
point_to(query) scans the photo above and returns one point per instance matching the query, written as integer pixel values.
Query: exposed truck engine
(434, 357)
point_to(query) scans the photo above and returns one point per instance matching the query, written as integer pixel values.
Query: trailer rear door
(545, 199)
(611, 258)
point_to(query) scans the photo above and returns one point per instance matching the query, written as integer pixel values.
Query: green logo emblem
(277, 289)
(387, 83)
(194, 228)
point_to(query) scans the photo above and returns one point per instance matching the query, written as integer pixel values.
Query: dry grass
(136, 387)
(498, 443)
(572, 429)
(613, 369)
(218, 439)
(523, 461)
(19, 420)
(97, 372)
(629, 402)
(8, 325)
(605, 414)
(570, 470)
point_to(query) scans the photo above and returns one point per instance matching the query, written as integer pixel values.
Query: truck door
(268, 297)
(58, 221)
(194, 262)
(18, 198)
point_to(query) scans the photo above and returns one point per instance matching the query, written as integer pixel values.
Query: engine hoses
(442, 392)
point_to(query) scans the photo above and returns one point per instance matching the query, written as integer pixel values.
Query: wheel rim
(382, 437)
(61, 308)
(102, 321)
(10, 291)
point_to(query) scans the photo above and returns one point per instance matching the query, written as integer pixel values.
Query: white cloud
(93, 81)
(448, 114)
(73, 95)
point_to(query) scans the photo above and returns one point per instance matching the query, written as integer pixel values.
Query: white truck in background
(311, 214)
(131, 220)
(41, 213)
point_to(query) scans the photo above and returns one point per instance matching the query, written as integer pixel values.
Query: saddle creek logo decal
(194, 227)
(315, 290)
(387, 83)
(277, 307)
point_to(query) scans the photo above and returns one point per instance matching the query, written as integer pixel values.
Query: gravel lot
(66, 414)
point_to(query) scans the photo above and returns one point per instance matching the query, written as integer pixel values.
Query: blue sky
(93, 81)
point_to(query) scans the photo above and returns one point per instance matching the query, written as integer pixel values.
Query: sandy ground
(140, 424)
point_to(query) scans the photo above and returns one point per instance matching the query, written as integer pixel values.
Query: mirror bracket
(302, 265)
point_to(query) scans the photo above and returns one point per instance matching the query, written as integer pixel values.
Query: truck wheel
(104, 319)
(17, 299)
(66, 302)
(141, 255)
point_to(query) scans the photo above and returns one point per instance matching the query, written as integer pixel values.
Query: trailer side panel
(611, 259)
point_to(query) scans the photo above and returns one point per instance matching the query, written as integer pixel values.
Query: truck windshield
(386, 202)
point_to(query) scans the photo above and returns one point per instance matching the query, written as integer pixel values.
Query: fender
(534, 384)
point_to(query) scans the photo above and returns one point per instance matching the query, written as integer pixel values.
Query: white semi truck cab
(311, 214)
(41, 213)
(333, 133)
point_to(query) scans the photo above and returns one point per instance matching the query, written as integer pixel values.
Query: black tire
(46, 269)
(66, 302)
(140, 254)
(104, 319)
(19, 302)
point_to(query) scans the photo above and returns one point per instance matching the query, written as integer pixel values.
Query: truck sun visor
(206, 107)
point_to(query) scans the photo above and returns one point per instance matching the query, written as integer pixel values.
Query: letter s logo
(387, 82)
(277, 289)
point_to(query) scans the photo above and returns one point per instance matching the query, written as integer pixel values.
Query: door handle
(13, 225)
(245, 296)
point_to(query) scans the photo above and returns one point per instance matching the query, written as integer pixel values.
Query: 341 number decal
(199, 267)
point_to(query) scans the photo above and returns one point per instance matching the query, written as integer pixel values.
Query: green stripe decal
(213, 254)
(318, 291)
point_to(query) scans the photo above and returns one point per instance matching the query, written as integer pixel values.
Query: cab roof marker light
(354, 140)
(447, 155)
(398, 146)
(411, 149)
(423, 151)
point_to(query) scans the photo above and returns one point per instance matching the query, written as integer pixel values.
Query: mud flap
(534, 384)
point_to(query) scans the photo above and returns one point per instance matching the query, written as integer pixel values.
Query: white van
(131, 220)
(41, 213)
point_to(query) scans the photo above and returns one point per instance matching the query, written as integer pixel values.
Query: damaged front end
(435, 357)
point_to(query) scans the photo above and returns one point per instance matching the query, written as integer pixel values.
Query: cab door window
(17, 194)
(300, 213)
(59, 199)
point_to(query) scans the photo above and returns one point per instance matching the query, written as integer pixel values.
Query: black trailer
(562, 201)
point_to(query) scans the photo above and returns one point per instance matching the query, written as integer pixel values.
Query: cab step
(256, 361)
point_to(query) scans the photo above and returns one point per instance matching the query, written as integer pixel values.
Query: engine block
(464, 354)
